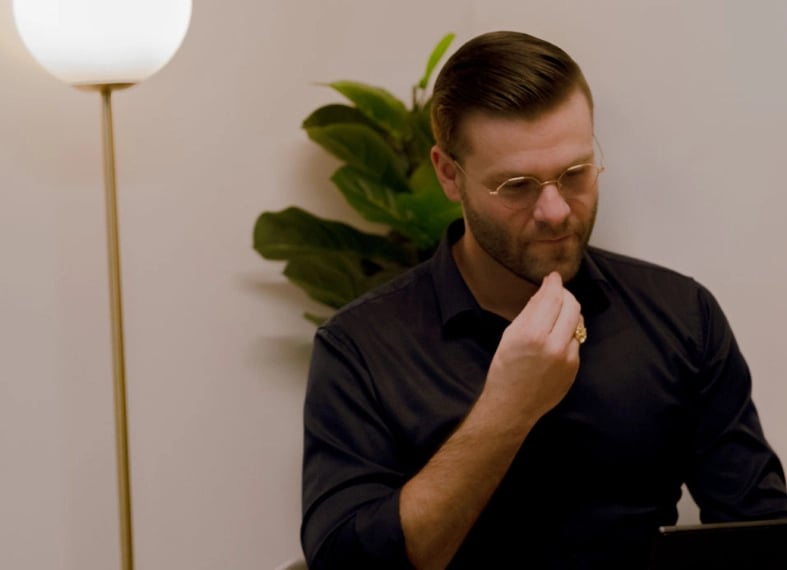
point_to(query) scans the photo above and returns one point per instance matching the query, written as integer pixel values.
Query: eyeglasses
(522, 192)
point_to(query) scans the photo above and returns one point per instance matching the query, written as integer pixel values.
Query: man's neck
(494, 287)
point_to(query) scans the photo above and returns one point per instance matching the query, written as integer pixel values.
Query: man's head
(502, 74)
(508, 105)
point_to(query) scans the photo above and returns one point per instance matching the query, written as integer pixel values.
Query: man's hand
(538, 356)
(531, 372)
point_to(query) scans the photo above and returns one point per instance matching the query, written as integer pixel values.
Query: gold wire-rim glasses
(535, 191)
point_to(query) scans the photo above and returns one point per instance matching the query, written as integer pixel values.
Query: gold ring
(581, 334)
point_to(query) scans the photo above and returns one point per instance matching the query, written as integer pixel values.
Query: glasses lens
(519, 192)
(523, 191)
(577, 180)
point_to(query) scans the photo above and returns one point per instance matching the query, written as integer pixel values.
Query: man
(452, 418)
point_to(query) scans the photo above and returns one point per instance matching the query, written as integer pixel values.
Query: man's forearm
(533, 368)
(440, 504)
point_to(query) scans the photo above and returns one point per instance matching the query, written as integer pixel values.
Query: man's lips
(553, 240)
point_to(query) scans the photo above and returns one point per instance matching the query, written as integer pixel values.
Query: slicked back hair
(501, 74)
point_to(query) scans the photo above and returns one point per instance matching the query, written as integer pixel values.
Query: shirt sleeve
(734, 473)
(351, 476)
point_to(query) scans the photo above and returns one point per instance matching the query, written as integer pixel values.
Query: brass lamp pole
(116, 321)
(104, 47)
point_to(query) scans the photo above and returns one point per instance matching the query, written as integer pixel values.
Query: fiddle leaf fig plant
(386, 175)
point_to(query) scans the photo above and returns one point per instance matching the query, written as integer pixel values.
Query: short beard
(519, 257)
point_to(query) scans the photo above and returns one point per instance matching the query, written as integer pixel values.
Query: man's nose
(551, 208)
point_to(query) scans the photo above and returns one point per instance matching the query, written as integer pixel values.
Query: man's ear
(447, 173)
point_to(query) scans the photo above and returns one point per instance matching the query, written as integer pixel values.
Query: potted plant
(386, 176)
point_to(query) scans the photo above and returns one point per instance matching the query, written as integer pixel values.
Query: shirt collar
(590, 285)
(454, 298)
(457, 304)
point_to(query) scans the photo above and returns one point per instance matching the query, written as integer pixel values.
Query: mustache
(548, 231)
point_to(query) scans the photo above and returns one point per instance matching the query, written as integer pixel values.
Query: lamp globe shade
(102, 42)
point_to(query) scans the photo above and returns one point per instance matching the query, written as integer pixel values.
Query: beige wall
(690, 111)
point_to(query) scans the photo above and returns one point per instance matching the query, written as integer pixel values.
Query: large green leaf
(329, 278)
(335, 114)
(427, 205)
(293, 233)
(363, 148)
(434, 57)
(379, 105)
(336, 278)
(419, 146)
(422, 120)
(424, 182)
(378, 203)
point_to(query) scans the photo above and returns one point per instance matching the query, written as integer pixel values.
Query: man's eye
(519, 185)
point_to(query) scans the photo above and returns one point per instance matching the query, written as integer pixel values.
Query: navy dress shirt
(662, 397)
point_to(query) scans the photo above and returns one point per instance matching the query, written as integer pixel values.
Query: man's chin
(537, 268)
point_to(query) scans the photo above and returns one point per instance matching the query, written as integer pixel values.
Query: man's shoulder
(661, 298)
(396, 298)
(613, 264)
(651, 282)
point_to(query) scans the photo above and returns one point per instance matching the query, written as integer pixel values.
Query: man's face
(553, 233)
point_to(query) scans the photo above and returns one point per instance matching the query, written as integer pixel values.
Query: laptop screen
(751, 545)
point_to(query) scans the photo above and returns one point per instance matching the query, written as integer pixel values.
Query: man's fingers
(551, 315)
(544, 306)
(568, 319)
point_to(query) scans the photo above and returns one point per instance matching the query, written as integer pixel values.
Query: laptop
(751, 545)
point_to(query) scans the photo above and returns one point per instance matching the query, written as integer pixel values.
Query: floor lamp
(103, 46)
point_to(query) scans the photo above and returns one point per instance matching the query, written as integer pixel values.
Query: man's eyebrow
(507, 173)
